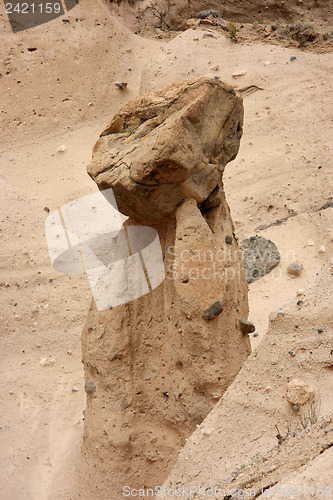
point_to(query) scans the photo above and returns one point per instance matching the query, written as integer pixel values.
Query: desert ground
(57, 84)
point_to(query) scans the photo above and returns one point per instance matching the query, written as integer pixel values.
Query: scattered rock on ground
(121, 85)
(205, 13)
(298, 392)
(260, 256)
(294, 269)
(237, 74)
(47, 361)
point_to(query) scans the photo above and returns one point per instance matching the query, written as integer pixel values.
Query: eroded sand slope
(283, 168)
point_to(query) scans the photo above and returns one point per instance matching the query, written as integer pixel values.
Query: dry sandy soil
(63, 93)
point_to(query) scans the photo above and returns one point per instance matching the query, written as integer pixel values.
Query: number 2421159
(32, 8)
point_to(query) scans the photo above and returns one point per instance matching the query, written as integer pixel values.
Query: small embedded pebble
(90, 387)
(299, 292)
(293, 58)
(310, 243)
(207, 432)
(47, 361)
(228, 239)
(74, 389)
(256, 334)
(322, 249)
(320, 330)
(294, 269)
(291, 353)
(246, 326)
(121, 85)
(213, 311)
(267, 63)
(62, 148)
(237, 74)
(46, 209)
(299, 302)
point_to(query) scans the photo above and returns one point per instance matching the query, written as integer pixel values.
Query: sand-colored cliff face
(160, 362)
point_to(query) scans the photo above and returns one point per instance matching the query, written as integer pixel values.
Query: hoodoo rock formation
(161, 362)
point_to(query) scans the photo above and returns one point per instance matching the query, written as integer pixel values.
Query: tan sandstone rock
(156, 361)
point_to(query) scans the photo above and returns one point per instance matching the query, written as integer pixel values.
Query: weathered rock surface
(158, 364)
(165, 147)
